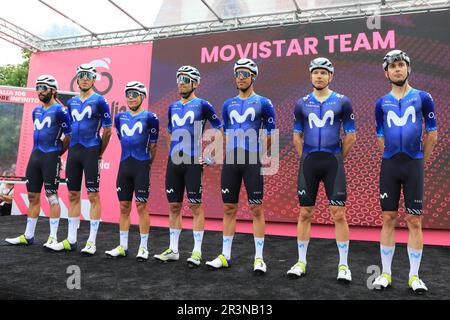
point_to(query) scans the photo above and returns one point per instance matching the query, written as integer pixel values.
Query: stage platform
(29, 272)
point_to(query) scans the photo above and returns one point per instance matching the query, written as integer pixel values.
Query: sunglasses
(132, 94)
(244, 74)
(184, 79)
(42, 87)
(88, 75)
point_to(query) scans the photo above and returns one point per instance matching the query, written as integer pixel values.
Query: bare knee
(175, 208)
(141, 207)
(195, 208)
(74, 196)
(389, 219)
(306, 214)
(338, 214)
(125, 207)
(34, 198)
(230, 209)
(93, 197)
(256, 210)
(414, 222)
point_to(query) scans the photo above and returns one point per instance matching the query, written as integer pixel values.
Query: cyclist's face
(134, 99)
(243, 82)
(85, 83)
(320, 78)
(185, 84)
(397, 71)
(44, 95)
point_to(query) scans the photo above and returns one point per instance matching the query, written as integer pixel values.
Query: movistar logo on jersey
(384, 195)
(38, 125)
(319, 123)
(76, 116)
(401, 121)
(182, 121)
(125, 130)
(236, 117)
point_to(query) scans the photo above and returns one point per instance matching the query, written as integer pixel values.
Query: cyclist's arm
(349, 141)
(429, 141)
(430, 137)
(379, 125)
(153, 122)
(348, 123)
(298, 142)
(65, 144)
(106, 136)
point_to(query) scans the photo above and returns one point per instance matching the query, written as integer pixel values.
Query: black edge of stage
(29, 272)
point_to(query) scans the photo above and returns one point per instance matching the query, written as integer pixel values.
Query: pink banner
(116, 66)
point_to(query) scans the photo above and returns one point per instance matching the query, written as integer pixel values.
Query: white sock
(198, 238)
(54, 223)
(302, 249)
(144, 241)
(124, 239)
(226, 246)
(31, 227)
(174, 236)
(387, 253)
(343, 248)
(415, 256)
(73, 228)
(94, 228)
(259, 246)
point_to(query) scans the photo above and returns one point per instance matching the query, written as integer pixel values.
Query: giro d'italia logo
(104, 80)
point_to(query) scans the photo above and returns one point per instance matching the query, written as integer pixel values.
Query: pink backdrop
(117, 66)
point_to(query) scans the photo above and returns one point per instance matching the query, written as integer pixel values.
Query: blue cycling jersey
(135, 133)
(49, 124)
(399, 122)
(320, 122)
(244, 118)
(186, 124)
(87, 119)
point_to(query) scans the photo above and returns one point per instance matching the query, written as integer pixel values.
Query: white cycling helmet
(47, 80)
(395, 55)
(137, 86)
(247, 64)
(321, 63)
(190, 71)
(86, 67)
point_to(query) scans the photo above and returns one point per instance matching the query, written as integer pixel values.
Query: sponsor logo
(125, 130)
(236, 117)
(38, 125)
(401, 121)
(182, 121)
(319, 123)
(76, 116)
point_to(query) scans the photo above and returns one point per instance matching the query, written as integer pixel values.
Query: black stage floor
(29, 272)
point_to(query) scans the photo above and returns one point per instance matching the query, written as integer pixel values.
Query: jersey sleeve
(379, 118)
(298, 118)
(64, 121)
(169, 123)
(348, 117)
(268, 113)
(153, 124)
(210, 113)
(103, 108)
(428, 111)
(117, 125)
